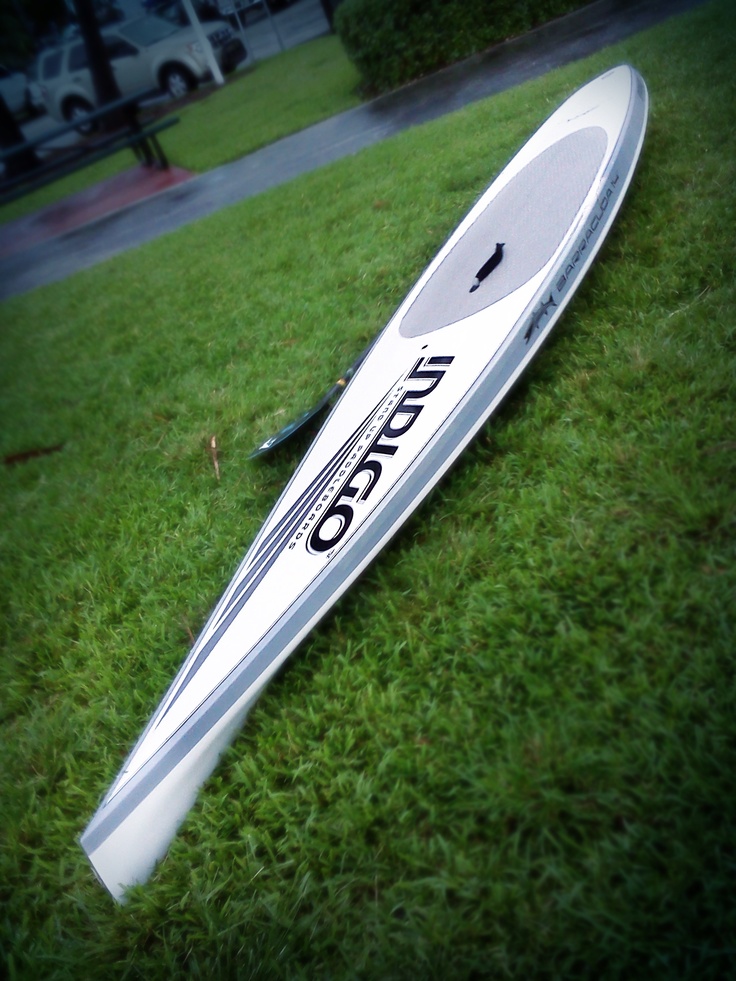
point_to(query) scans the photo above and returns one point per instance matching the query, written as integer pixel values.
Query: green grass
(509, 753)
(255, 107)
(278, 96)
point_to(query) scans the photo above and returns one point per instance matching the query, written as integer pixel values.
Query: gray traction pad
(531, 215)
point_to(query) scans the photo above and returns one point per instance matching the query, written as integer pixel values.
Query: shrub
(394, 41)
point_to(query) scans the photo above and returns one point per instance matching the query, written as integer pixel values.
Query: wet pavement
(78, 210)
(565, 40)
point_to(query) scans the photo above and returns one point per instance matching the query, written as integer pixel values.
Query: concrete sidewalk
(565, 40)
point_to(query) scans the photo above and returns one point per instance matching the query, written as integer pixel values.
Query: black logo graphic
(337, 518)
(536, 318)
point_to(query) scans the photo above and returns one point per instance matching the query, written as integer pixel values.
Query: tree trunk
(11, 136)
(103, 77)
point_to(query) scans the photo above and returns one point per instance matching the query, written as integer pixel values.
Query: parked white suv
(146, 54)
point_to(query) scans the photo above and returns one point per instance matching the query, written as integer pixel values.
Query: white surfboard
(447, 358)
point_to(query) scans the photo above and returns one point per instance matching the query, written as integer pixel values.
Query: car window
(51, 65)
(148, 30)
(116, 47)
(78, 58)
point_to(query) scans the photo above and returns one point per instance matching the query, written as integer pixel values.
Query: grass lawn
(256, 106)
(510, 751)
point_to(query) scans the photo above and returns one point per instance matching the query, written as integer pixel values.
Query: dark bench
(129, 132)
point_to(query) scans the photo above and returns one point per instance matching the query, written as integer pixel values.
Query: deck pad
(530, 216)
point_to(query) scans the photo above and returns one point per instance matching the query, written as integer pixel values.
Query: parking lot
(300, 22)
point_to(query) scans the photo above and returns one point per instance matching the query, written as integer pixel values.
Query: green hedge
(394, 41)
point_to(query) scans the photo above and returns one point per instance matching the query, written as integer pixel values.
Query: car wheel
(29, 107)
(76, 111)
(177, 81)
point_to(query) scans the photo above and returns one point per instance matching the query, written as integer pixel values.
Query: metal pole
(205, 42)
(238, 18)
(273, 24)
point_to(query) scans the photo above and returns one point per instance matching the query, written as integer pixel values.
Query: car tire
(29, 109)
(76, 111)
(177, 81)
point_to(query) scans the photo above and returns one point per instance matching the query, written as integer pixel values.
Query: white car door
(130, 65)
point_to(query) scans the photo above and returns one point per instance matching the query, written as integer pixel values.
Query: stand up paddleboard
(449, 355)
